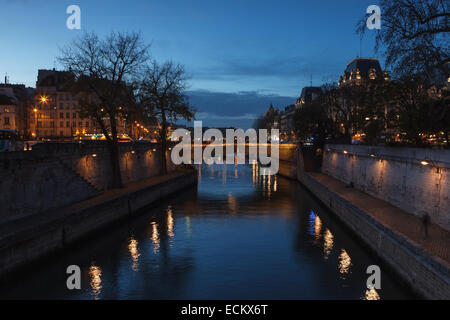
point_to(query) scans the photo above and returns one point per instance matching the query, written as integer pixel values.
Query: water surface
(238, 235)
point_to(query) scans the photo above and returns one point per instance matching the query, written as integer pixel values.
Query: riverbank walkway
(437, 244)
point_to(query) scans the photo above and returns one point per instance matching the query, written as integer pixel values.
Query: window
(6, 109)
(61, 105)
(80, 124)
(74, 115)
(61, 115)
(74, 124)
(68, 115)
(61, 133)
(87, 124)
(6, 120)
(39, 124)
(68, 124)
(52, 124)
(61, 124)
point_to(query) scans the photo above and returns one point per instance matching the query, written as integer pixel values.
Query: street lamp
(35, 122)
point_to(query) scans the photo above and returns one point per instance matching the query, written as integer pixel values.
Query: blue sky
(241, 55)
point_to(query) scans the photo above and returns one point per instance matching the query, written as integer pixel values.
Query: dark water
(237, 236)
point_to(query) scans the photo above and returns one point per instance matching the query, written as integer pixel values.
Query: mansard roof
(364, 65)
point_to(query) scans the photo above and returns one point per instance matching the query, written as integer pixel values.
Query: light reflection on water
(238, 235)
(95, 274)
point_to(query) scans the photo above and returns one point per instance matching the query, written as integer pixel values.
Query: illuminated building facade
(55, 115)
(362, 69)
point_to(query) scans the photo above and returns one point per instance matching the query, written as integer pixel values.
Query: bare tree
(162, 93)
(414, 36)
(105, 75)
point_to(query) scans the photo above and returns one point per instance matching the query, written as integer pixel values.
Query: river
(237, 235)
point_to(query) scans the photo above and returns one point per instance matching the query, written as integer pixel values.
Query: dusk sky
(241, 55)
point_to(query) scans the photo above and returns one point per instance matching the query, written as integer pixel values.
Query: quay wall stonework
(25, 246)
(426, 275)
(397, 176)
(288, 160)
(55, 175)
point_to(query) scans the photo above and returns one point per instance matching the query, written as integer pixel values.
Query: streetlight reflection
(345, 262)
(170, 222)
(155, 237)
(327, 243)
(95, 274)
(134, 252)
(372, 294)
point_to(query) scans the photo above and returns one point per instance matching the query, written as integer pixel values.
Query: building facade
(8, 109)
(55, 112)
(21, 98)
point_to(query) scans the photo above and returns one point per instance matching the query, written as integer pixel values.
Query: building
(362, 69)
(22, 97)
(55, 111)
(308, 94)
(287, 131)
(8, 109)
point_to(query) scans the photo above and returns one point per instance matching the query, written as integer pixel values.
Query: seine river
(237, 235)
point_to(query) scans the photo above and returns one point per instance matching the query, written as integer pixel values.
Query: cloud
(239, 109)
(283, 67)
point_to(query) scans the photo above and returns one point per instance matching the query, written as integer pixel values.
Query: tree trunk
(114, 157)
(116, 179)
(163, 139)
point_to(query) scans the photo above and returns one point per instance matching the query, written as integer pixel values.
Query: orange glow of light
(170, 222)
(155, 237)
(372, 294)
(345, 262)
(95, 274)
(43, 99)
(134, 252)
(327, 243)
(317, 228)
(345, 151)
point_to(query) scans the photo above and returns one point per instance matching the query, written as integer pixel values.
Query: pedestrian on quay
(425, 223)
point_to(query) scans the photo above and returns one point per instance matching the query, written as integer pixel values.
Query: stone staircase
(73, 172)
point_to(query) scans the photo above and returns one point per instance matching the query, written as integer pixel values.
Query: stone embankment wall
(288, 160)
(54, 175)
(415, 180)
(427, 275)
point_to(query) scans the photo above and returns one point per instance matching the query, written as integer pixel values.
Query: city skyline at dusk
(241, 56)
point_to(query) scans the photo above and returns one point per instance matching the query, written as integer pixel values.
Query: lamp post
(42, 99)
(35, 122)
